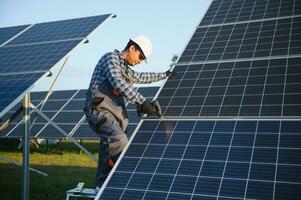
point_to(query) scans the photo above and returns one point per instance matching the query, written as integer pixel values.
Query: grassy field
(64, 164)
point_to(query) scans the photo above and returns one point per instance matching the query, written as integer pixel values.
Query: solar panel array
(28, 52)
(65, 108)
(232, 127)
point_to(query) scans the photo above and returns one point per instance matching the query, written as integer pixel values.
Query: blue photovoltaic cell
(59, 30)
(7, 33)
(247, 40)
(229, 11)
(148, 91)
(171, 159)
(241, 88)
(12, 86)
(38, 57)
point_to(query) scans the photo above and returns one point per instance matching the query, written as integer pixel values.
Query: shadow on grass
(54, 186)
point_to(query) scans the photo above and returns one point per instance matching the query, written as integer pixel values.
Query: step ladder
(81, 192)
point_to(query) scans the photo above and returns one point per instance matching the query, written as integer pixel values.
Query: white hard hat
(145, 45)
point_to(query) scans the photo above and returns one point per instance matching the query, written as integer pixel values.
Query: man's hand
(148, 107)
(170, 73)
(158, 108)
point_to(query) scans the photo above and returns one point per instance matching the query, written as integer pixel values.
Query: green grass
(65, 166)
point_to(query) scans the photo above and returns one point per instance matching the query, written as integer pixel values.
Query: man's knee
(123, 142)
(117, 147)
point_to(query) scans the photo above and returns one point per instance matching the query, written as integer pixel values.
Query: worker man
(111, 84)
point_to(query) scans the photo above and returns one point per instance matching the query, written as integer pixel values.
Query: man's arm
(147, 77)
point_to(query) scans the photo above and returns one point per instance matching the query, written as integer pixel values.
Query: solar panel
(263, 88)
(242, 61)
(229, 11)
(197, 159)
(232, 127)
(33, 52)
(244, 40)
(9, 32)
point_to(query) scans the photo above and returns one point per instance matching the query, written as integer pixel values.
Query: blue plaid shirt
(113, 68)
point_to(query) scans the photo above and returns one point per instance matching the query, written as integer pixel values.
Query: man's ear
(132, 48)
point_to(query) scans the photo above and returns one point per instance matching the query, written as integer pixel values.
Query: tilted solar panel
(191, 159)
(243, 67)
(37, 49)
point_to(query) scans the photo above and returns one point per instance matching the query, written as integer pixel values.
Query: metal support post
(26, 143)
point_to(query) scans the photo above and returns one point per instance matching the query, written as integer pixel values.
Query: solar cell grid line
(264, 86)
(275, 175)
(215, 168)
(139, 160)
(249, 170)
(244, 34)
(174, 178)
(172, 96)
(249, 76)
(218, 33)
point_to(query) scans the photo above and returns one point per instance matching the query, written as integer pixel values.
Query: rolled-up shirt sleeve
(146, 77)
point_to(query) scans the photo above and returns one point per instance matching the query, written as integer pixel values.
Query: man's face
(135, 56)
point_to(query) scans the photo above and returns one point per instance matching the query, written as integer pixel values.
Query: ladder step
(85, 193)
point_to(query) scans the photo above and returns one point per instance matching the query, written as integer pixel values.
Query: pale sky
(169, 24)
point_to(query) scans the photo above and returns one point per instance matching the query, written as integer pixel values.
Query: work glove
(170, 73)
(158, 108)
(147, 108)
